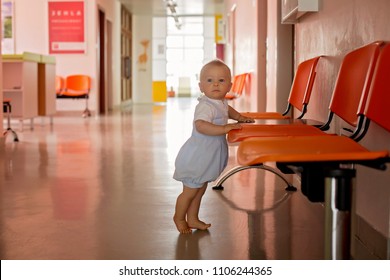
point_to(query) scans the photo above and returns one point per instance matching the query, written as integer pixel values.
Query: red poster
(66, 27)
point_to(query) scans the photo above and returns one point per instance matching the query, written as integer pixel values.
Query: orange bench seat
(255, 151)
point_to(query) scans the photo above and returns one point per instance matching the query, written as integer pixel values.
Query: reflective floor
(102, 188)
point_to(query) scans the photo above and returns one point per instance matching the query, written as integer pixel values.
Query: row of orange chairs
(348, 103)
(300, 92)
(326, 161)
(299, 96)
(74, 86)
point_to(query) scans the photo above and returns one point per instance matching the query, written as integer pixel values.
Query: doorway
(102, 106)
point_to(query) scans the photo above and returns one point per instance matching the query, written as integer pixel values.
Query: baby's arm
(233, 114)
(211, 129)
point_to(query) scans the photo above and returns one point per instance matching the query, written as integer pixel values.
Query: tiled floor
(102, 188)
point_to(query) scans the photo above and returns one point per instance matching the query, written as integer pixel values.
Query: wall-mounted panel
(292, 10)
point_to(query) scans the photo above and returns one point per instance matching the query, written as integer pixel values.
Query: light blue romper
(202, 158)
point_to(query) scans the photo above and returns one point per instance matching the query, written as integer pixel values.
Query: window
(186, 51)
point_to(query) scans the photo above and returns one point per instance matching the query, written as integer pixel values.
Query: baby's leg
(182, 204)
(193, 211)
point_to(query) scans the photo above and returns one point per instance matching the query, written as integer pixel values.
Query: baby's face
(215, 81)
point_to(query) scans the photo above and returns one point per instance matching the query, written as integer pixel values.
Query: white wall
(209, 39)
(243, 55)
(142, 73)
(159, 71)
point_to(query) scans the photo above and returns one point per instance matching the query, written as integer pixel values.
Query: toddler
(204, 155)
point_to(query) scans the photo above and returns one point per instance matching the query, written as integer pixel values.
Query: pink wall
(258, 43)
(341, 26)
(279, 66)
(241, 56)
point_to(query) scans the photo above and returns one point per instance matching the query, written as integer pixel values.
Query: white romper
(202, 158)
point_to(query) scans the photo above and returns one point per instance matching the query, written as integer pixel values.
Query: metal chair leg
(7, 108)
(339, 189)
(234, 170)
(9, 130)
(87, 112)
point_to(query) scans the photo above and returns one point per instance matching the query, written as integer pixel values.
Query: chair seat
(74, 94)
(253, 151)
(264, 115)
(259, 130)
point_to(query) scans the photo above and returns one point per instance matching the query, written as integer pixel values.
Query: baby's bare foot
(198, 224)
(182, 226)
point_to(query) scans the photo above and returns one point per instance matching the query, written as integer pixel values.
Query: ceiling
(183, 8)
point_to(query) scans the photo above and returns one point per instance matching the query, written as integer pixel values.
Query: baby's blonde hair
(214, 62)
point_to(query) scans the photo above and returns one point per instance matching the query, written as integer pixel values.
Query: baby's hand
(231, 126)
(243, 119)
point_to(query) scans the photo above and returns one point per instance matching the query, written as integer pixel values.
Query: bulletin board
(66, 27)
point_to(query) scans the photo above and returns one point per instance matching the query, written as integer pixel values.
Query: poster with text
(66, 27)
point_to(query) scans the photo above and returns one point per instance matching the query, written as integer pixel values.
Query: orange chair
(237, 86)
(348, 99)
(348, 102)
(78, 86)
(322, 161)
(300, 92)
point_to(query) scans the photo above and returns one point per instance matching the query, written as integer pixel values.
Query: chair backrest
(239, 84)
(79, 83)
(302, 85)
(353, 82)
(352, 85)
(234, 84)
(378, 101)
(60, 84)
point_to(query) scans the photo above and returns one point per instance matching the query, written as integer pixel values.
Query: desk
(20, 83)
